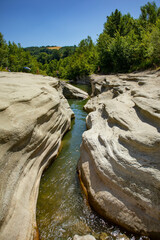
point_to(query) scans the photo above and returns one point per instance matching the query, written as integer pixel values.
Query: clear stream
(62, 210)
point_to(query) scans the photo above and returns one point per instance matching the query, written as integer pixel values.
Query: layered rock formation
(71, 92)
(34, 115)
(120, 151)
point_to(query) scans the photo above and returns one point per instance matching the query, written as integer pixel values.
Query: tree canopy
(126, 44)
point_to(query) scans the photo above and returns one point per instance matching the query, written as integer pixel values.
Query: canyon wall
(120, 152)
(34, 116)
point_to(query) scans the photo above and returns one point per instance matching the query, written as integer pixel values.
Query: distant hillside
(45, 54)
(54, 48)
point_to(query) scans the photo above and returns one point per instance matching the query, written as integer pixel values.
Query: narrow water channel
(62, 210)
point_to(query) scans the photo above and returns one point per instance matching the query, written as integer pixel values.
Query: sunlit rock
(71, 92)
(86, 237)
(34, 116)
(120, 152)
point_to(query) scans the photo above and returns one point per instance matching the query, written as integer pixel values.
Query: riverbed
(62, 210)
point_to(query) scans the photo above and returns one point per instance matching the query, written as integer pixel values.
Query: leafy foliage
(83, 62)
(14, 58)
(126, 44)
(45, 54)
(3, 52)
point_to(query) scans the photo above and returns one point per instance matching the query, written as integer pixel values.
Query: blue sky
(61, 23)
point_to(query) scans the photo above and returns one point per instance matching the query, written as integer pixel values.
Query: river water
(62, 210)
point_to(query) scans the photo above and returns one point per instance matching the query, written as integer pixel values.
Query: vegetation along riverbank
(125, 45)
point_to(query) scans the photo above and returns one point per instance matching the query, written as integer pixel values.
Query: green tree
(104, 53)
(83, 62)
(42, 58)
(127, 24)
(149, 13)
(3, 53)
(155, 43)
(113, 23)
(52, 68)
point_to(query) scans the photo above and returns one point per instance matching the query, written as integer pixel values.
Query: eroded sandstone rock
(34, 115)
(86, 237)
(120, 152)
(71, 92)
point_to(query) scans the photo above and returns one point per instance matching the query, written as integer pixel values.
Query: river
(62, 210)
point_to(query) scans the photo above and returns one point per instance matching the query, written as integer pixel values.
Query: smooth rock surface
(120, 151)
(71, 92)
(34, 115)
(86, 237)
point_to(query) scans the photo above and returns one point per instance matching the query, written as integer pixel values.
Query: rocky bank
(34, 115)
(120, 152)
(71, 92)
